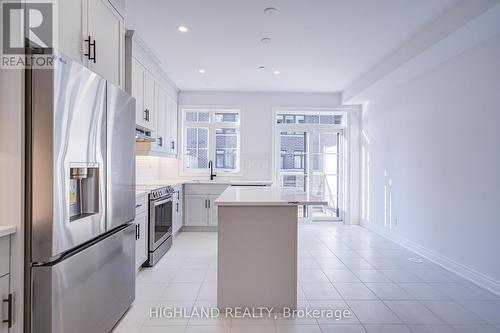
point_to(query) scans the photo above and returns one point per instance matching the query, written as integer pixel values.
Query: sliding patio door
(312, 160)
(325, 174)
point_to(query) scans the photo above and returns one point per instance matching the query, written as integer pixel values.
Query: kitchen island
(257, 246)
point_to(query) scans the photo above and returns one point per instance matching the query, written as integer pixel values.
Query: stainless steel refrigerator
(80, 199)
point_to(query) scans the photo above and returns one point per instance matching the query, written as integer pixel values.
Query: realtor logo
(29, 24)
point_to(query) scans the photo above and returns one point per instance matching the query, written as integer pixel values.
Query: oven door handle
(161, 202)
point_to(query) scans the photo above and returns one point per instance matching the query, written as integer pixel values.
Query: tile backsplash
(151, 168)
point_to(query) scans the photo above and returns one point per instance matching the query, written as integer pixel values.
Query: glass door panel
(293, 168)
(311, 160)
(325, 174)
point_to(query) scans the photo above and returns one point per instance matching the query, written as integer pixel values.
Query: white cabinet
(142, 88)
(212, 210)
(72, 25)
(4, 306)
(6, 300)
(196, 210)
(160, 99)
(141, 230)
(92, 32)
(107, 33)
(137, 91)
(156, 98)
(149, 99)
(166, 122)
(141, 239)
(4, 255)
(177, 218)
(200, 209)
(172, 125)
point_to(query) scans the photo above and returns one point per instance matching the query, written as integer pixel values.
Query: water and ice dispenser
(83, 191)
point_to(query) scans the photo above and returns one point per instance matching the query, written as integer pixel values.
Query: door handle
(90, 44)
(172, 145)
(9, 319)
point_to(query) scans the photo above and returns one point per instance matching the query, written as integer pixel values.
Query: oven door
(160, 223)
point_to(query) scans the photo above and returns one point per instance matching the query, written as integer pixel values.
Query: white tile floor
(340, 267)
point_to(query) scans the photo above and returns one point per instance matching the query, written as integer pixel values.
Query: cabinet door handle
(137, 231)
(176, 206)
(172, 145)
(146, 115)
(94, 58)
(9, 319)
(160, 141)
(208, 203)
(139, 205)
(90, 45)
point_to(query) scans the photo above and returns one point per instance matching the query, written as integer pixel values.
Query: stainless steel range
(160, 223)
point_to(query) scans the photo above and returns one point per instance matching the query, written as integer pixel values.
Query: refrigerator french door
(80, 199)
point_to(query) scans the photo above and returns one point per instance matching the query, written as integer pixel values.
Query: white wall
(437, 137)
(257, 122)
(257, 130)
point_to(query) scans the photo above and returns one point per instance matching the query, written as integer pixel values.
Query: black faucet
(211, 166)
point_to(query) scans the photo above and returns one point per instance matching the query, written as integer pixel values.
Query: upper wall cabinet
(92, 32)
(156, 99)
(142, 88)
(172, 111)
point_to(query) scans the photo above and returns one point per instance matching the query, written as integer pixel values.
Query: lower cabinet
(200, 209)
(141, 230)
(4, 297)
(177, 215)
(141, 239)
(212, 210)
(196, 210)
(6, 301)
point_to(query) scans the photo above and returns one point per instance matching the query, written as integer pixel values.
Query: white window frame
(211, 126)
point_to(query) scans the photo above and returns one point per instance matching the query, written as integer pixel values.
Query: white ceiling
(318, 45)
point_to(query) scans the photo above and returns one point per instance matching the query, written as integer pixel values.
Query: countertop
(7, 230)
(266, 196)
(151, 185)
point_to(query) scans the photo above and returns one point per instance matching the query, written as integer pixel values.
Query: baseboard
(467, 273)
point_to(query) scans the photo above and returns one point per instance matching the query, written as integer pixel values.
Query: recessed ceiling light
(266, 40)
(182, 28)
(270, 11)
(201, 71)
(276, 72)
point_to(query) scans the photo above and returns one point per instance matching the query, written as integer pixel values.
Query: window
(211, 135)
(325, 118)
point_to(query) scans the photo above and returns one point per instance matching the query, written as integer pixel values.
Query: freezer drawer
(88, 291)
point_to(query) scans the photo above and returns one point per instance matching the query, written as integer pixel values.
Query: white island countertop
(7, 230)
(177, 181)
(266, 196)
